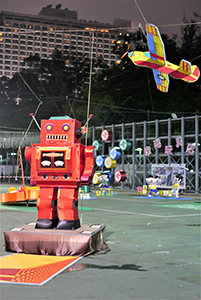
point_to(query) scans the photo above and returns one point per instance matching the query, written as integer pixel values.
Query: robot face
(49, 127)
(56, 131)
(59, 130)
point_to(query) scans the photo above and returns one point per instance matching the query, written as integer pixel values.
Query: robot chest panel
(58, 164)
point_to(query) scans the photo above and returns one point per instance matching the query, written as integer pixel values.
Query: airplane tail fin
(193, 76)
(185, 67)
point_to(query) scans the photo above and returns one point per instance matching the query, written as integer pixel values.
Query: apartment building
(24, 35)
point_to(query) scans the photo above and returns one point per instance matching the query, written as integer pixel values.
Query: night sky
(158, 12)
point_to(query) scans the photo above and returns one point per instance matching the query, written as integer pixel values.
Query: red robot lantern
(60, 164)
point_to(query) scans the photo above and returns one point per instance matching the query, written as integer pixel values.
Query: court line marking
(147, 215)
(148, 200)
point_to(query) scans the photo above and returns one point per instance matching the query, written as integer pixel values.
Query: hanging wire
(196, 57)
(89, 91)
(148, 80)
(20, 165)
(29, 126)
(37, 108)
(88, 106)
(108, 29)
(140, 11)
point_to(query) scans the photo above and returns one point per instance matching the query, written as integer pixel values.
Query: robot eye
(66, 127)
(49, 127)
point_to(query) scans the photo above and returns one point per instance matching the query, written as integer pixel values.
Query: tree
(120, 93)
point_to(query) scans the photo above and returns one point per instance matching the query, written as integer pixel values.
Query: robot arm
(28, 156)
(86, 178)
(28, 152)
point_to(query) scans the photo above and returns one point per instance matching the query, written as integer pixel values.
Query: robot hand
(86, 179)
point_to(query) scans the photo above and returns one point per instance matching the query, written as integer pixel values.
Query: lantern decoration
(97, 145)
(100, 160)
(125, 144)
(110, 163)
(190, 148)
(115, 153)
(119, 176)
(96, 179)
(106, 135)
(168, 149)
(147, 151)
(157, 143)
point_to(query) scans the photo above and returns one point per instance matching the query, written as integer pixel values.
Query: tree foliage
(119, 93)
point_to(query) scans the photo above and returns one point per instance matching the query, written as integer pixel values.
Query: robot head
(60, 129)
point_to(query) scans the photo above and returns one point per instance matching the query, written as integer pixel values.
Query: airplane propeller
(126, 51)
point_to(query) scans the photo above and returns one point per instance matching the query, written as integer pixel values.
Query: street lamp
(140, 152)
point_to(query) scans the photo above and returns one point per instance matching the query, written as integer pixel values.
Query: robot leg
(68, 209)
(47, 209)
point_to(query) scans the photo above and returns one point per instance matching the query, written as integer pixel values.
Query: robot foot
(68, 224)
(46, 223)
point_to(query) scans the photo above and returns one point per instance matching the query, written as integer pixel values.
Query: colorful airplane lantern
(156, 60)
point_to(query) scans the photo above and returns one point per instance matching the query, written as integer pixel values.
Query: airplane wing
(156, 46)
(162, 80)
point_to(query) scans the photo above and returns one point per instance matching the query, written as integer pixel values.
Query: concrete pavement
(154, 251)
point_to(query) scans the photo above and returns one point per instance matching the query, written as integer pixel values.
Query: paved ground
(154, 251)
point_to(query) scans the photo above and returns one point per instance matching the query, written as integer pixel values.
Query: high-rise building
(24, 35)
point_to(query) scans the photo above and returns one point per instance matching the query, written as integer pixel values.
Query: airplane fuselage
(143, 59)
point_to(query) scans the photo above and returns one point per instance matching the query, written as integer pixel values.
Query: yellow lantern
(110, 163)
(96, 178)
